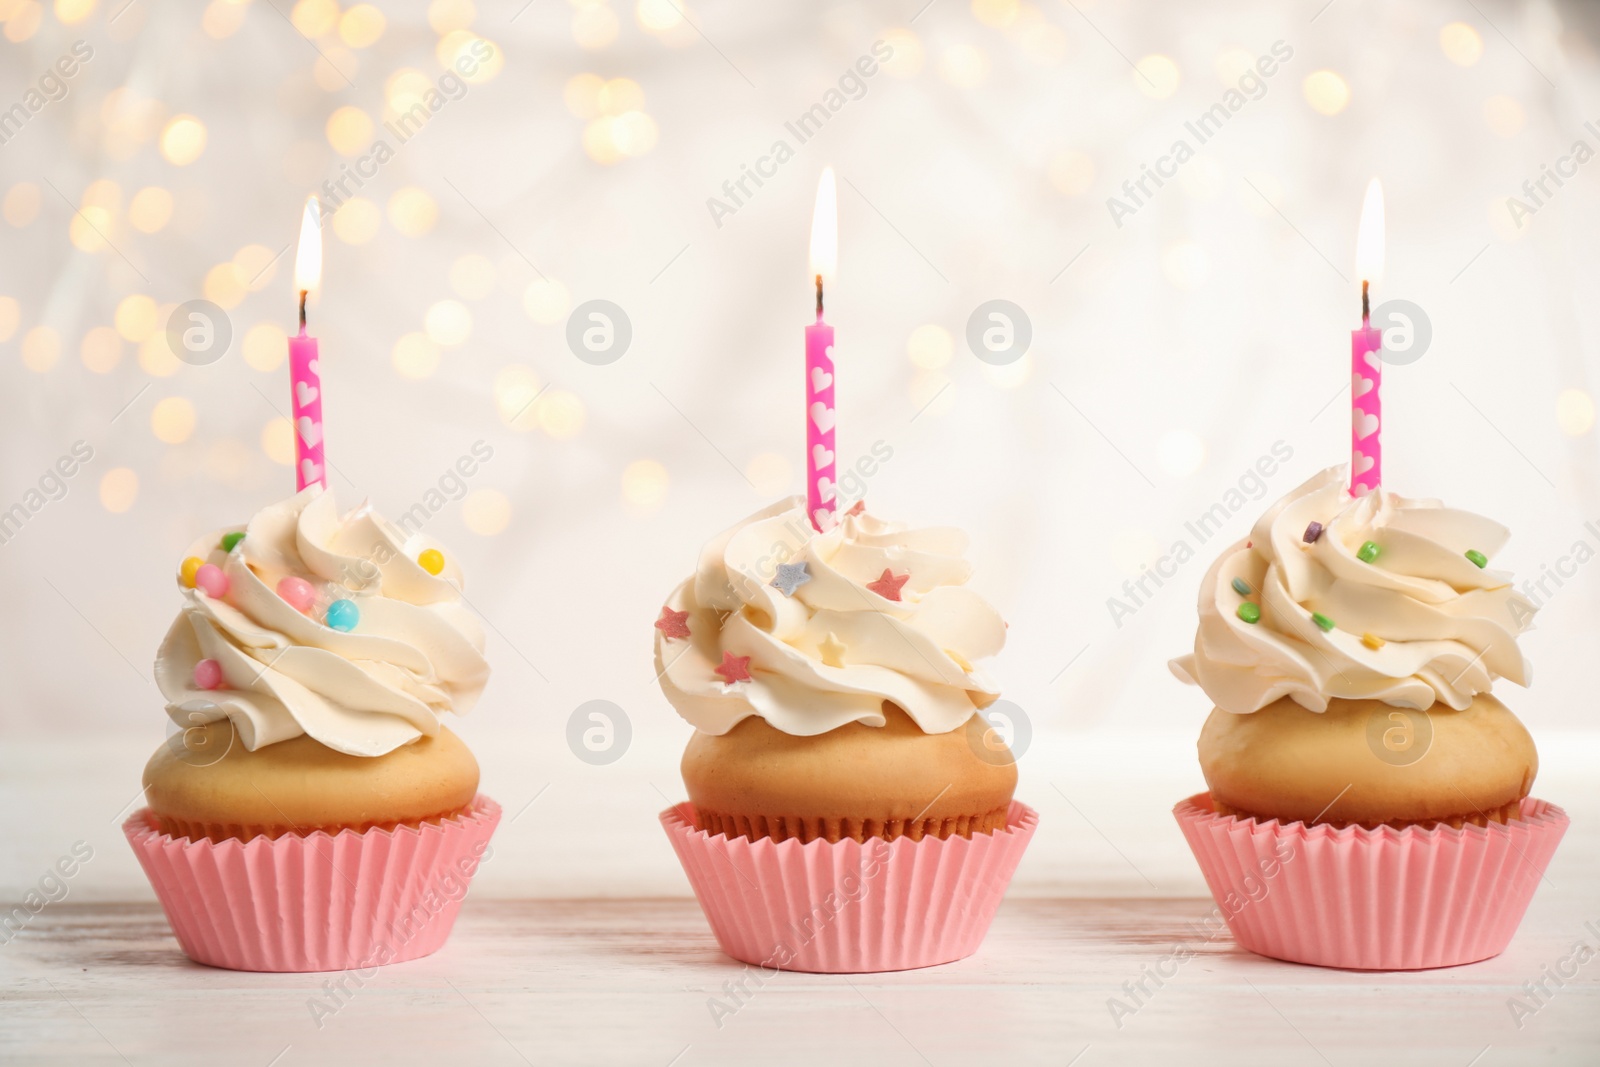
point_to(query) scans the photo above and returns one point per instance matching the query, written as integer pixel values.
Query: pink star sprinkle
(888, 586)
(734, 668)
(673, 624)
(858, 507)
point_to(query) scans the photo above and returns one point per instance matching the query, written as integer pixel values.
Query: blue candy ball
(343, 615)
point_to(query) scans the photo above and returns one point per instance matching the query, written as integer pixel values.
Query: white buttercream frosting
(415, 653)
(1444, 628)
(835, 650)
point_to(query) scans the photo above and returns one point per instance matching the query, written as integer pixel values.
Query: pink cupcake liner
(352, 901)
(849, 908)
(1373, 900)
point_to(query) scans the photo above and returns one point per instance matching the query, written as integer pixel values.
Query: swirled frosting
(836, 649)
(415, 653)
(1421, 622)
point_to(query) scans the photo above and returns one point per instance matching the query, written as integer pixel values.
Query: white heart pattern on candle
(1364, 423)
(1359, 385)
(826, 490)
(1363, 463)
(821, 457)
(820, 379)
(824, 518)
(1373, 357)
(304, 394)
(314, 367)
(310, 472)
(310, 432)
(823, 416)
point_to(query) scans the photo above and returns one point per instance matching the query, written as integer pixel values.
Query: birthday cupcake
(849, 808)
(311, 811)
(1369, 799)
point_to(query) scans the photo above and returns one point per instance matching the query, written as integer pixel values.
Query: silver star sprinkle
(791, 576)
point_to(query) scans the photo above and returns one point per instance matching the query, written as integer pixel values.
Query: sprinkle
(187, 570)
(858, 507)
(1249, 612)
(297, 593)
(1322, 620)
(734, 668)
(208, 674)
(1313, 531)
(791, 576)
(210, 580)
(887, 585)
(1372, 640)
(673, 624)
(343, 615)
(431, 560)
(1241, 587)
(1368, 551)
(229, 540)
(1478, 557)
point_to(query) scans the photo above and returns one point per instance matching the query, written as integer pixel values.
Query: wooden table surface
(630, 982)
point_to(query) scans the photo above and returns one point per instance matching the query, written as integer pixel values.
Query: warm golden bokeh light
(1461, 44)
(357, 221)
(406, 89)
(41, 347)
(594, 26)
(1575, 412)
(101, 350)
(89, 227)
(412, 211)
(257, 265)
(21, 204)
(644, 486)
(223, 18)
(150, 209)
(964, 66)
(335, 69)
(415, 356)
(582, 95)
(446, 16)
(1072, 173)
(906, 56)
(561, 414)
(1326, 92)
(24, 21)
(997, 13)
(314, 18)
(472, 276)
(264, 346)
(224, 285)
(349, 130)
(182, 140)
(486, 512)
(930, 346)
(516, 389)
(119, 488)
(1157, 76)
(172, 420)
(136, 318)
(361, 26)
(546, 301)
(155, 357)
(277, 441)
(10, 317)
(1504, 116)
(448, 323)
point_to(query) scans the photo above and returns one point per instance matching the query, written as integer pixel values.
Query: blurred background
(594, 153)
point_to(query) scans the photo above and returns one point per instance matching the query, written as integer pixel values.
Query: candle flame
(825, 229)
(1369, 239)
(308, 258)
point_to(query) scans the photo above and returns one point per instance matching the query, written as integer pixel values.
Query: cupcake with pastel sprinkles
(1362, 776)
(850, 808)
(310, 809)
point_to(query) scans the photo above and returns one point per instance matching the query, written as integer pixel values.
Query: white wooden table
(533, 975)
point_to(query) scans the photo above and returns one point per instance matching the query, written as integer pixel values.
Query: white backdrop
(1169, 352)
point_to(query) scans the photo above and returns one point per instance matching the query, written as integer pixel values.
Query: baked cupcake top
(812, 630)
(324, 625)
(1378, 597)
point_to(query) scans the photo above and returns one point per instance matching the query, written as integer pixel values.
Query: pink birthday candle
(1366, 363)
(305, 379)
(822, 487)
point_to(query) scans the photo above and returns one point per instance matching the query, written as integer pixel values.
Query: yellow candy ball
(190, 567)
(431, 560)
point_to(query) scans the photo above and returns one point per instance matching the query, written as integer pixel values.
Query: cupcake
(312, 811)
(849, 808)
(1355, 749)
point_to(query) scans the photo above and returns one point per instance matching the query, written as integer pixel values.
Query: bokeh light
(21, 204)
(335, 69)
(257, 266)
(24, 21)
(277, 441)
(1575, 412)
(361, 26)
(1232, 64)
(582, 95)
(448, 323)
(101, 350)
(119, 488)
(930, 346)
(997, 13)
(516, 388)
(1504, 116)
(594, 25)
(964, 66)
(933, 393)
(446, 16)
(150, 209)
(224, 285)
(10, 317)
(1157, 76)
(314, 18)
(1462, 45)
(155, 356)
(89, 227)
(486, 512)
(172, 420)
(658, 16)
(1326, 92)
(1186, 265)
(415, 356)
(1072, 173)
(182, 140)
(906, 57)
(136, 318)
(349, 130)
(644, 486)
(264, 346)
(481, 57)
(561, 414)
(412, 211)
(72, 12)
(406, 89)
(546, 301)
(357, 220)
(223, 18)
(41, 347)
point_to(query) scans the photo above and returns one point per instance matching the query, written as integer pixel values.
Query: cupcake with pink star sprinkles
(311, 807)
(835, 684)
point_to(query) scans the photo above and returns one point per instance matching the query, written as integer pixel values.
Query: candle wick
(819, 296)
(1366, 312)
(302, 311)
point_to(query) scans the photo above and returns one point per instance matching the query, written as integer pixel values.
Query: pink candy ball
(208, 674)
(210, 579)
(297, 593)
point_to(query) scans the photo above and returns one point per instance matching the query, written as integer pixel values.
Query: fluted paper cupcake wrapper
(1377, 900)
(351, 901)
(849, 907)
